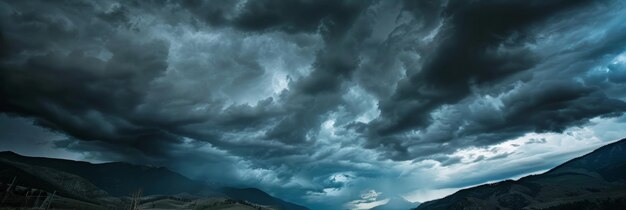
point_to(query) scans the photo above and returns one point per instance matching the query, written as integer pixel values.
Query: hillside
(258, 196)
(118, 179)
(594, 181)
(47, 179)
(112, 184)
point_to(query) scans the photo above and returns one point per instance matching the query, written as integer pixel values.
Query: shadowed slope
(596, 180)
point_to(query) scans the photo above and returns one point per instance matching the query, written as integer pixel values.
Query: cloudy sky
(330, 104)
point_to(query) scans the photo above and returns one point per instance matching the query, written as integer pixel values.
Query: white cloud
(369, 199)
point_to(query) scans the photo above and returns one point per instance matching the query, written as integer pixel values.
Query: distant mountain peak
(396, 202)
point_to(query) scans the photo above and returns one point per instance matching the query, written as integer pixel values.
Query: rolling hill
(116, 178)
(111, 184)
(259, 197)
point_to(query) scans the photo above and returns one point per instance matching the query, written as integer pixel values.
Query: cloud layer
(316, 101)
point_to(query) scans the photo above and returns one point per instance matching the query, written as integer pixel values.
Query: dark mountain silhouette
(50, 180)
(107, 181)
(594, 181)
(116, 178)
(257, 196)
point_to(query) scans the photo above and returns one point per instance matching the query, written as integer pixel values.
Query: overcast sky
(330, 104)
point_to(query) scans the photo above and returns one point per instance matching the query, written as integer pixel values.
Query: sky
(329, 104)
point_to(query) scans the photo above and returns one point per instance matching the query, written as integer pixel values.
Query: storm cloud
(327, 99)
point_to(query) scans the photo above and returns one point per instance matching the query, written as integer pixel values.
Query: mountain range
(594, 181)
(78, 184)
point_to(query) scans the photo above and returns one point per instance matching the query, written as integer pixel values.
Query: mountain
(50, 180)
(594, 181)
(114, 182)
(396, 203)
(257, 196)
(116, 178)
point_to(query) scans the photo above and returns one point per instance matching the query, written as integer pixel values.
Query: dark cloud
(466, 56)
(448, 160)
(480, 45)
(291, 16)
